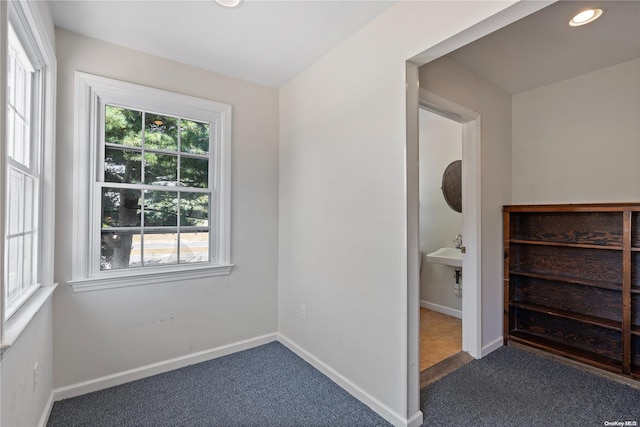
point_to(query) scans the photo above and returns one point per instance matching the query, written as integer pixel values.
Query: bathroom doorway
(440, 225)
(438, 293)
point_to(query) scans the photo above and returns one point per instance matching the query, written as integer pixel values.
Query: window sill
(18, 323)
(149, 278)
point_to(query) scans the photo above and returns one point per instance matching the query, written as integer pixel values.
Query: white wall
(449, 79)
(440, 143)
(343, 204)
(578, 140)
(105, 332)
(23, 403)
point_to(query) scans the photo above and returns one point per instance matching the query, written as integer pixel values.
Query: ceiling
(270, 42)
(541, 48)
(267, 42)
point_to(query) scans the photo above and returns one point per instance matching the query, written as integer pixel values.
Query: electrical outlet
(35, 376)
(303, 311)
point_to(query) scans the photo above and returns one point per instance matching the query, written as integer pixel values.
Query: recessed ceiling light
(586, 16)
(229, 3)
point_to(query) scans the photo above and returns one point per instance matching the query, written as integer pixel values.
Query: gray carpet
(264, 386)
(512, 387)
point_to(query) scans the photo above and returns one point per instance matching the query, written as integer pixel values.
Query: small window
(23, 148)
(156, 190)
(159, 200)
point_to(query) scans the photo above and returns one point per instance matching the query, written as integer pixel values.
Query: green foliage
(194, 209)
(161, 132)
(194, 137)
(124, 162)
(123, 126)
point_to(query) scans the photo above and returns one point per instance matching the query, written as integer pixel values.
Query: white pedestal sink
(447, 256)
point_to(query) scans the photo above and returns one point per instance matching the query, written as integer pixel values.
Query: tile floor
(440, 337)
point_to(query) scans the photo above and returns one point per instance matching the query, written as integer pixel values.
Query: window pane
(24, 145)
(13, 268)
(161, 132)
(19, 90)
(160, 169)
(10, 134)
(160, 248)
(30, 203)
(121, 249)
(120, 207)
(28, 262)
(122, 165)
(10, 78)
(194, 247)
(194, 172)
(123, 126)
(194, 137)
(18, 141)
(160, 208)
(194, 209)
(14, 206)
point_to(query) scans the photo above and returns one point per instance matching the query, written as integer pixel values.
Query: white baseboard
(416, 420)
(492, 346)
(90, 386)
(373, 403)
(44, 419)
(441, 309)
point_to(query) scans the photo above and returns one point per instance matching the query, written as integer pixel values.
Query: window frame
(30, 24)
(34, 107)
(93, 93)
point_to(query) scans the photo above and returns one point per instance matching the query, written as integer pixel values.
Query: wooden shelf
(565, 314)
(561, 349)
(572, 280)
(575, 207)
(566, 244)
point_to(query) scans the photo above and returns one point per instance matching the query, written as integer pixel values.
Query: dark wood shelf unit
(566, 314)
(635, 351)
(566, 279)
(635, 270)
(591, 265)
(572, 282)
(554, 347)
(566, 245)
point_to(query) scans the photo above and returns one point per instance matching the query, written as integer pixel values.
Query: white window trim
(26, 18)
(90, 90)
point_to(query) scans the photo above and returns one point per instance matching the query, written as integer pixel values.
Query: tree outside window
(156, 191)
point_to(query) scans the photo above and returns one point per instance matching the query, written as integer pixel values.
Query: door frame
(417, 98)
(471, 214)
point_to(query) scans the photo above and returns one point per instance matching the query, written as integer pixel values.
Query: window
(28, 157)
(23, 148)
(156, 190)
(157, 208)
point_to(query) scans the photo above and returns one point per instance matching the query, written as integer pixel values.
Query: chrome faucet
(458, 241)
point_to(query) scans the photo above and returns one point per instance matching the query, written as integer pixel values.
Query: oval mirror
(452, 185)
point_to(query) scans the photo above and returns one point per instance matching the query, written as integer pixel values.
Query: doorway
(470, 122)
(440, 225)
